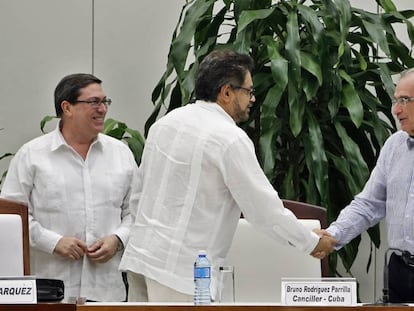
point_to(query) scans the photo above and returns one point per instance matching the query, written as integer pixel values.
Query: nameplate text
(319, 292)
(18, 290)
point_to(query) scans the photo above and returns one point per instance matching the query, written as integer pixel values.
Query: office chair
(260, 261)
(14, 238)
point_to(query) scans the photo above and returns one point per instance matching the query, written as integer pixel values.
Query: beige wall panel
(132, 40)
(40, 42)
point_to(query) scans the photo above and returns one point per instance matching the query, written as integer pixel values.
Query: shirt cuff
(335, 233)
(47, 243)
(311, 245)
(120, 243)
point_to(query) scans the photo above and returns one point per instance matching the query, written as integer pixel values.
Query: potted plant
(323, 82)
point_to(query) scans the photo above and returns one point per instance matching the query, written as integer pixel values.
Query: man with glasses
(199, 172)
(77, 183)
(389, 195)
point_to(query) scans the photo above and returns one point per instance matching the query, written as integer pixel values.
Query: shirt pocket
(49, 190)
(120, 183)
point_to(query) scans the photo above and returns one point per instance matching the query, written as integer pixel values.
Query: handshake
(325, 245)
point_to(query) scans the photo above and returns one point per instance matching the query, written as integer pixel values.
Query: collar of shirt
(410, 142)
(215, 107)
(59, 140)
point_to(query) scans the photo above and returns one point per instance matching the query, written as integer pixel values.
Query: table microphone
(385, 289)
(385, 301)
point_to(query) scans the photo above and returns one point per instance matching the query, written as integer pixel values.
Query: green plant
(324, 85)
(118, 130)
(3, 175)
(6, 155)
(121, 131)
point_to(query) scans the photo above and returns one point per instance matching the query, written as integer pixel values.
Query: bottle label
(202, 272)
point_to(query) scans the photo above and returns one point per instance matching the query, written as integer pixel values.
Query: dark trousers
(400, 280)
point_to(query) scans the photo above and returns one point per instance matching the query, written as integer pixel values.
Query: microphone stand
(385, 289)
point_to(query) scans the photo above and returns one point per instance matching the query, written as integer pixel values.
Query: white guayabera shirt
(69, 196)
(199, 171)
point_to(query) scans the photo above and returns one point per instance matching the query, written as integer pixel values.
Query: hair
(406, 72)
(69, 88)
(219, 68)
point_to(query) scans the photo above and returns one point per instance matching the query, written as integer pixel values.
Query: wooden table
(40, 307)
(131, 307)
(143, 307)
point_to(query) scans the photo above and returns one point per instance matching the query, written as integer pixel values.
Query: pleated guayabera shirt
(69, 196)
(199, 171)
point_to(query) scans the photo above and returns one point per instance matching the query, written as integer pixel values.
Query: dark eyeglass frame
(402, 100)
(95, 102)
(239, 87)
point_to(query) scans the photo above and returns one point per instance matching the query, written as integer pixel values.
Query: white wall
(43, 40)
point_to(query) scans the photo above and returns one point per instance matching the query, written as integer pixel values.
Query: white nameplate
(319, 292)
(18, 290)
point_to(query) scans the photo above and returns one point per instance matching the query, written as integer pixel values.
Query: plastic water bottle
(202, 276)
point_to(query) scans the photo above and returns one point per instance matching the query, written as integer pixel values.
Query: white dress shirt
(199, 171)
(69, 196)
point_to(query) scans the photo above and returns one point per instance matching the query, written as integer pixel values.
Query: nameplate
(18, 290)
(319, 292)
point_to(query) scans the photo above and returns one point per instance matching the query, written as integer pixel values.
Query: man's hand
(325, 245)
(104, 249)
(71, 247)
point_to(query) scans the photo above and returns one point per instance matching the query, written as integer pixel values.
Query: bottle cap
(202, 252)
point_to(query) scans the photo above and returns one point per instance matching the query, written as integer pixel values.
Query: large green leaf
(311, 18)
(388, 5)
(136, 147)
(386, 79)
(247, 17)
(316, 157)
(7, 154)
(343, 166)
(310, 63)
(293, 55)
(353, 103)
(268, 125)
(359, 168)
(182, 43)
(44, 121)
(344, 14)
(374, 26)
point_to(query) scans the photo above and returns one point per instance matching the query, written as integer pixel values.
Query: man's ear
(65, 105)
(225, 93)
(225, 99)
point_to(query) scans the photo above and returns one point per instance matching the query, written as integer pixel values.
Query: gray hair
(406, 72)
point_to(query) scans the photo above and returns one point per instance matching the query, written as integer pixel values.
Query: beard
(240, 115)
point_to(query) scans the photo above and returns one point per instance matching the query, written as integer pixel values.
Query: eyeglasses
(95, 102)
(238, 87)
(402, 100)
